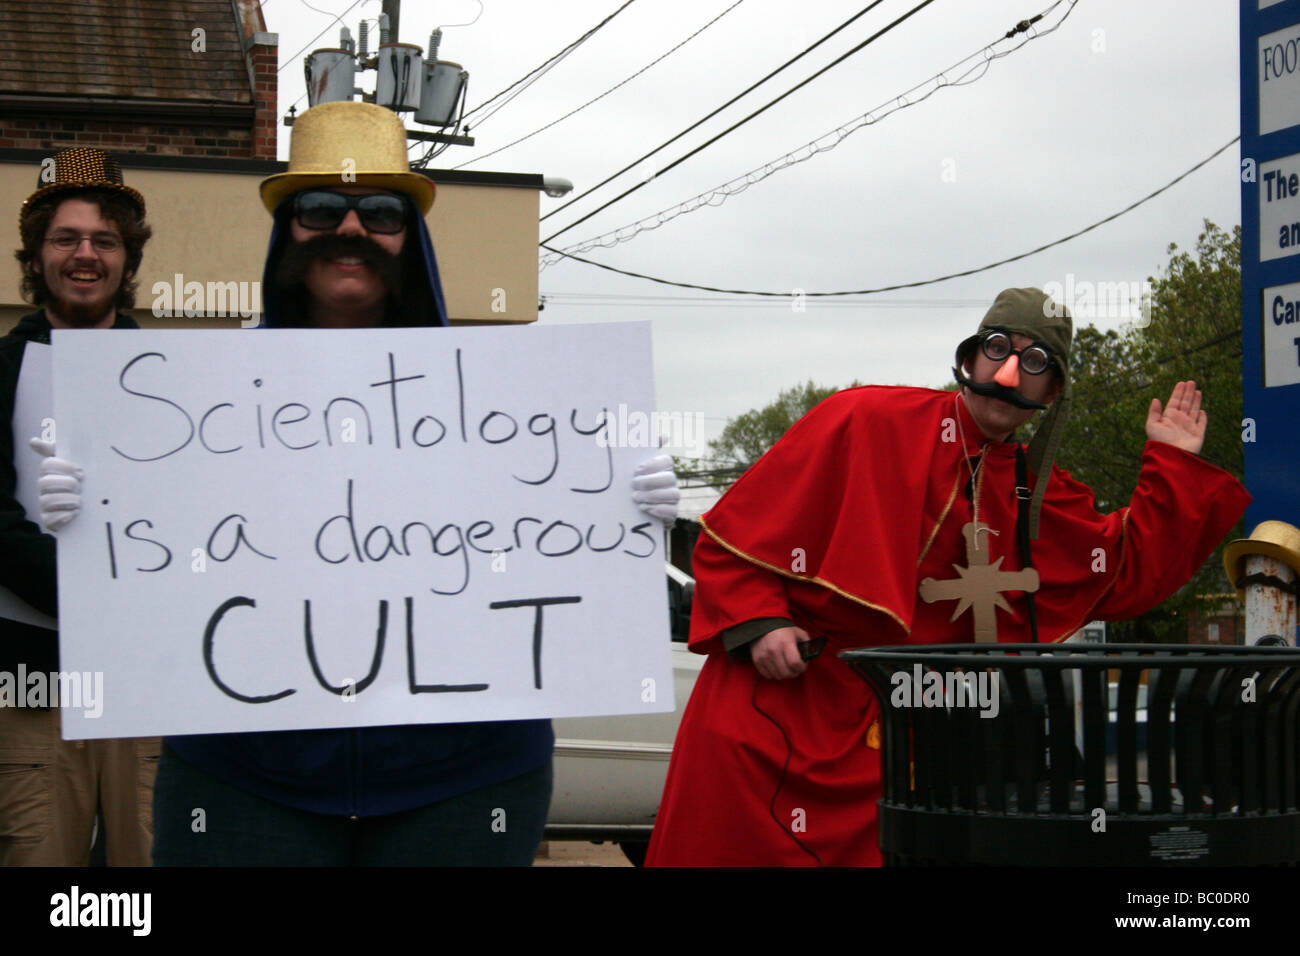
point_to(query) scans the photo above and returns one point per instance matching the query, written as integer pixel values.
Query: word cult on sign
(269, 515)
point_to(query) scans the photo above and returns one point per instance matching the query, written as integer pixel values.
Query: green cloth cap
(1032, 312)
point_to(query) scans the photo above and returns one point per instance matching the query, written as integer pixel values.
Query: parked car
(610, 771)
(1112, 718)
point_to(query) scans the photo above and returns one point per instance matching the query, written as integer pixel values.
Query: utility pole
(393, 8)
(405, 82)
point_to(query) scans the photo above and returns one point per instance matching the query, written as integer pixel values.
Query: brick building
(183, 78)
(1223, 622)
(184, 94)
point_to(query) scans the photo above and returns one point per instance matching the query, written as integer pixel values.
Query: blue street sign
(1270, 256)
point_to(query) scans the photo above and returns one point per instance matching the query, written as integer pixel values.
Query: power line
(711, 462)
(605, 299)
(319, 35)
(527, 80)
(982, 58)
(467, 23)
(542, 71)
(742, 93)
(607, 92)
(758, 112)
(907, 285)
(550, 61)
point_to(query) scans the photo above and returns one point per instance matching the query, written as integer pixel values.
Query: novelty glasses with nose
(381, 213)
(1034, 360)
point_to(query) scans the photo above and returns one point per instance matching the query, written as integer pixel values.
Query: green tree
(1193, 332)
(1105, 432)
(748, 436)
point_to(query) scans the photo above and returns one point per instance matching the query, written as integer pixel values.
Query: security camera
(556, 186)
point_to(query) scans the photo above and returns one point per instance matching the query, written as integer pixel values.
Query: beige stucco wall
(211, 227)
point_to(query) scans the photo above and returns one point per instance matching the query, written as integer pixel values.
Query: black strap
(1023, 496)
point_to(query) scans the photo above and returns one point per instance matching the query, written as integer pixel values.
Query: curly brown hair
(116, 207)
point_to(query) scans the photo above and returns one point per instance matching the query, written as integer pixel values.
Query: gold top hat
(80, 168)
(1276, 539)
(347, 143)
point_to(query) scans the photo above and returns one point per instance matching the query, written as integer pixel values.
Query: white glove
(654, 488)
(59, 486)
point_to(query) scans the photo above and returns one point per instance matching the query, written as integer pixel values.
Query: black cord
(789, 752)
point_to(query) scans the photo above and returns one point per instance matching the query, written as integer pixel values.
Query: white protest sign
(342, 528)
(33, 408)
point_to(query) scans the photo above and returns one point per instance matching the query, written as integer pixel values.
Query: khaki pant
(50, 789)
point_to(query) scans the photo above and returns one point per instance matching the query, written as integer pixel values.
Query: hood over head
(420, 302)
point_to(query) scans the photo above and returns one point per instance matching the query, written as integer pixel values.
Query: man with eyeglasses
(83, 234)
(897, 515)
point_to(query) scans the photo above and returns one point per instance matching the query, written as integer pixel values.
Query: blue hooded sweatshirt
(368, 771)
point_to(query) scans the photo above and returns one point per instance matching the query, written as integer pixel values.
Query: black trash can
(1078, 754)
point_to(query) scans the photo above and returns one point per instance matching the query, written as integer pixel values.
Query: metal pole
(394, 10)
(1269, 609)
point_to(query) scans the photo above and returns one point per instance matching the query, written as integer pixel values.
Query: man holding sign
(349, 250)
(83, 235)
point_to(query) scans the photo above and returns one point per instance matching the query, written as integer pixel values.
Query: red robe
(834, 528)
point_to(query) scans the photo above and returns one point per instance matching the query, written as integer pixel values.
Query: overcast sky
(1071, 128)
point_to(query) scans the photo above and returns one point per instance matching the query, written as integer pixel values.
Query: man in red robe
(891, 516)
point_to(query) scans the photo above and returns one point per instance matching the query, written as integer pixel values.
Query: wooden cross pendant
(979, 585)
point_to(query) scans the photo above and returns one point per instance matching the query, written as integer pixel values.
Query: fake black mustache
(299, 256)
(994, 390)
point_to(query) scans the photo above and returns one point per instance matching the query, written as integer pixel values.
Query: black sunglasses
(1034, 359)
(321, 209)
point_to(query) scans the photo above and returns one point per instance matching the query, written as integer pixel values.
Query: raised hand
(1182, 422)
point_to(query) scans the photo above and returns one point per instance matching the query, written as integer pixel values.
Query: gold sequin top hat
(1275, 539)
(346, 143)
(80, 168)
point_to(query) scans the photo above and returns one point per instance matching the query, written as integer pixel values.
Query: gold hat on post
(81, 167)
(1275, 539)
(347, 143)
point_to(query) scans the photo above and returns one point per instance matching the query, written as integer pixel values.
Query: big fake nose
(1009, 374)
